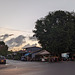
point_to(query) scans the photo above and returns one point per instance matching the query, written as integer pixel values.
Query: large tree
(56, 31)
(3, 48)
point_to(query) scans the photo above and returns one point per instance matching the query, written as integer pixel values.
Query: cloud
(33, 38)
(28, 45)
(5, 36)
(34, 44)
(10, 42)
(15, 42)
(19, 40)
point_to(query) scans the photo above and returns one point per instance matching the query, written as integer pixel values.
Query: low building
(32, 49)
(43, 55)
(31, 52)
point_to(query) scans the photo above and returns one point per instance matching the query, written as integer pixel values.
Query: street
(37, 68)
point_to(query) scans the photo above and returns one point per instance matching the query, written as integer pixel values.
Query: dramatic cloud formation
(15, 42)
(10, 42)
(33, 38)
(20, 40)
(28, 45)
(5, 36)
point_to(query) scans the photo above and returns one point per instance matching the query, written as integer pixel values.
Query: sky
(18, 17)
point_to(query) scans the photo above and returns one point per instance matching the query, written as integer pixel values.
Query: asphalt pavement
(37, 68)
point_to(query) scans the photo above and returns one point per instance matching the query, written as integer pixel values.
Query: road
(37, 68)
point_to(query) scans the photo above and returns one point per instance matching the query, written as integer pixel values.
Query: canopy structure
(43, 52)
(27, 54)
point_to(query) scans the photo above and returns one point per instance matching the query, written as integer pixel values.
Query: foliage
(17, 56)
(3, 48)
(56, 32)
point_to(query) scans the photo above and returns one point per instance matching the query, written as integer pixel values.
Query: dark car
(2, 60)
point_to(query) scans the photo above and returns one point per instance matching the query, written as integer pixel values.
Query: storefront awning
(44, 52)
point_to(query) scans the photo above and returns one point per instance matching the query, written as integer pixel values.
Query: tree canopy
(3, 48)
(56, 31)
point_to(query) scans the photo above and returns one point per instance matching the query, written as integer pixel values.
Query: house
(31, 51)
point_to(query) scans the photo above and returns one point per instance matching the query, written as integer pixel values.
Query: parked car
(2, 60)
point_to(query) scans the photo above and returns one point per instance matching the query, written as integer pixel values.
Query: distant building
(32, 51)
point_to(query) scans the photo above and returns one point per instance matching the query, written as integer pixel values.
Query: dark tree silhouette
(3, 48)
(56, 32)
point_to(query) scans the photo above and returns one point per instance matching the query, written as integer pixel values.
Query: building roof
(33, 49)
(43, 52)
